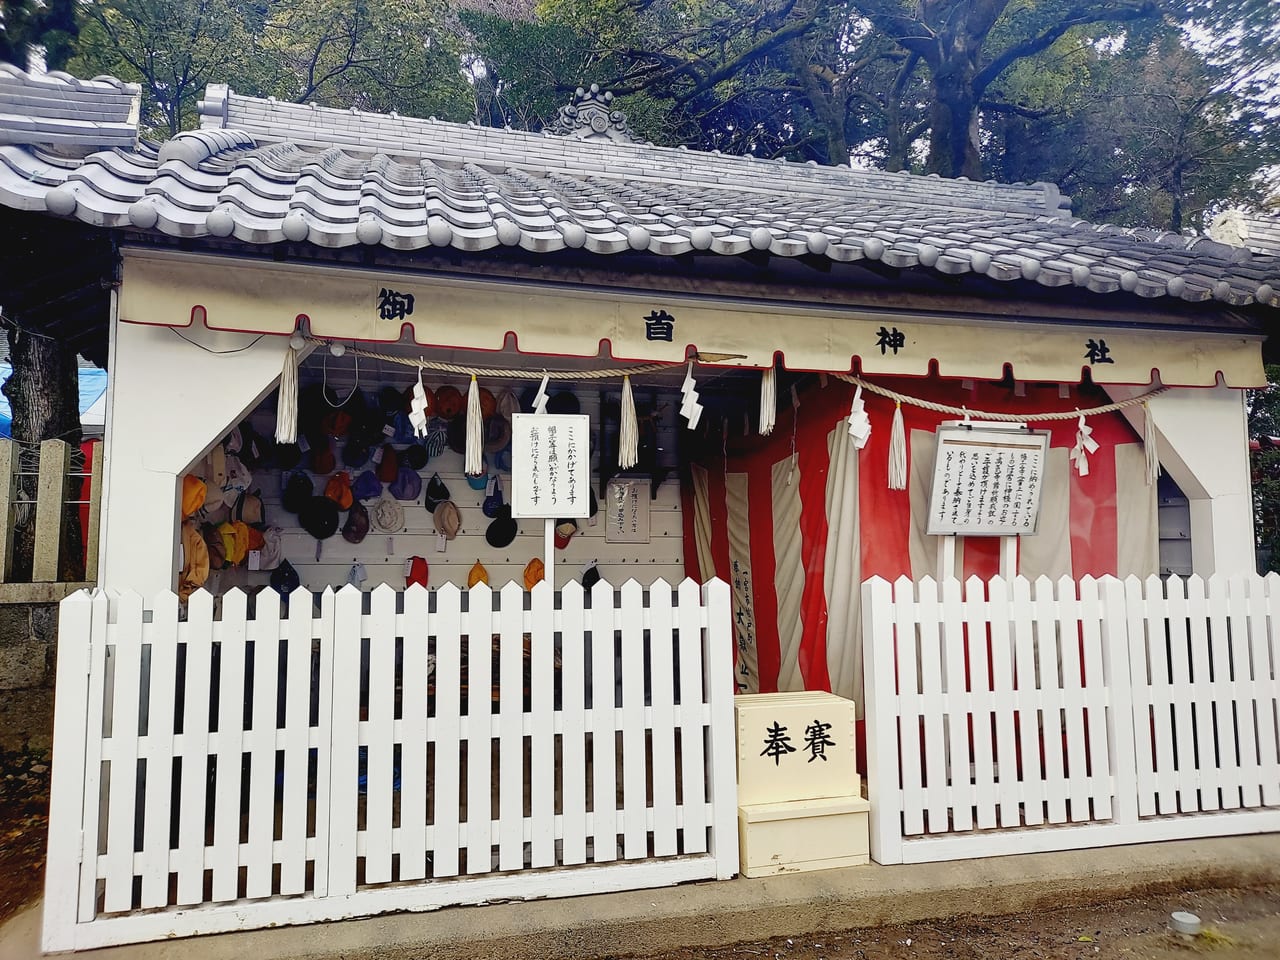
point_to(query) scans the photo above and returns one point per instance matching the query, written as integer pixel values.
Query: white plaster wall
(171, 399)
(1203, 442)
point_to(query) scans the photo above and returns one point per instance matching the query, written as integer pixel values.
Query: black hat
(437, 493)
(590, 576)
(563, 402)
(415, 456)
(458, 434)
(288, 455)
(284, 579)
(391, 400)
(319, 517)
(502, 531)
(298, 489)
(355, 453)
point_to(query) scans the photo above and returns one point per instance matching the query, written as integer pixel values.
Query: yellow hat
(534, 573)
(195, 565)
(478, 574)
(193, 494)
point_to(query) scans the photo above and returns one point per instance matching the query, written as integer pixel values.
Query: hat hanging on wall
(478, 574)
(437, 493)
(272, 548)
(502, 531)
(535, 571)
(563, 402)
(407, 485)
(338, 489)
(565, 529)
(195, 567)
(389, 465)
(447, 520)
(322, 460)
(194, 491)
(355, 453)
(319, 517)
(284, 579)
(415, 456)
(590, 575)
(216, 548)
(492, 501)
(448, 402)
(417, 572)
(497, 435)
(357, 526)
(298, 489)
(248, 507)
(388, 515)
(367, 486)
(288, 455)
(480, 480)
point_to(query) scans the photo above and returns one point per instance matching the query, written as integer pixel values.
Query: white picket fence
(385, 751)
(1014, 717)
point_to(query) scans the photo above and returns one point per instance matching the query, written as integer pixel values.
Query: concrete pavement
(716, 914)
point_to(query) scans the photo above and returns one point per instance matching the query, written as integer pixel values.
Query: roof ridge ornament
(590, 116)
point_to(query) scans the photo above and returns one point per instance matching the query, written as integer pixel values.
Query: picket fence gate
(1012, 717)
(384, 751)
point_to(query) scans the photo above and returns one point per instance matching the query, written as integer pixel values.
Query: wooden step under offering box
(795, 746)
(802, 835)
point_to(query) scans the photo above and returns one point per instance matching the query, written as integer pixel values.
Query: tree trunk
(43, 392)
(953, 141)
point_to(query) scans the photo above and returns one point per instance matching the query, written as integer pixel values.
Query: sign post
(987, 482)
(550, 473)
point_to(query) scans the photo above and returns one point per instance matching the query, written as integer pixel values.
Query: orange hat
(256, 540)
(338, 489)
(448, 402)
(478, 574)
(488, 403)
(534, 573)
(193, 494)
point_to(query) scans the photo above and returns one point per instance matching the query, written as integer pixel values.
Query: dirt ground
(1237, 925)
(26, 729)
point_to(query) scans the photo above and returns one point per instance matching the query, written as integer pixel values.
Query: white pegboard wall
(384, 555)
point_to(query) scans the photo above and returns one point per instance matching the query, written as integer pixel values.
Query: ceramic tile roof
(265, 172)
(1254, 231)
(57, 111)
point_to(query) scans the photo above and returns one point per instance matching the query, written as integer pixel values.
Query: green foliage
(1264, 427)
(1133, 125)
(173, 48)
(50, 24)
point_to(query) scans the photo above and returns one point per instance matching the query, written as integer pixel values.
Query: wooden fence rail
(1010, 716)
(356, 753)
(49, 511)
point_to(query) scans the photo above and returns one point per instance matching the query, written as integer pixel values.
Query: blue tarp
(93, 384)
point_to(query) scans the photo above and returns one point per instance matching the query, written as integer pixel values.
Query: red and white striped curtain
(795, 534)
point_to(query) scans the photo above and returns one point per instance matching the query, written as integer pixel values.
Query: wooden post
(55, 455)
(95, 515)
(8, 459)
(948, 547)
(880, 709)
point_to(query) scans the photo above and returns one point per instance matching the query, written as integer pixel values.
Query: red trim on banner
(719, 508)
(1093, 516)
(813, 461)
(692, 570)
(885, 513)
(764, 590)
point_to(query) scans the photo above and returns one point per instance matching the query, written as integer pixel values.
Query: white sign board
(550, 465)
(626, 511)
(987, 482)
